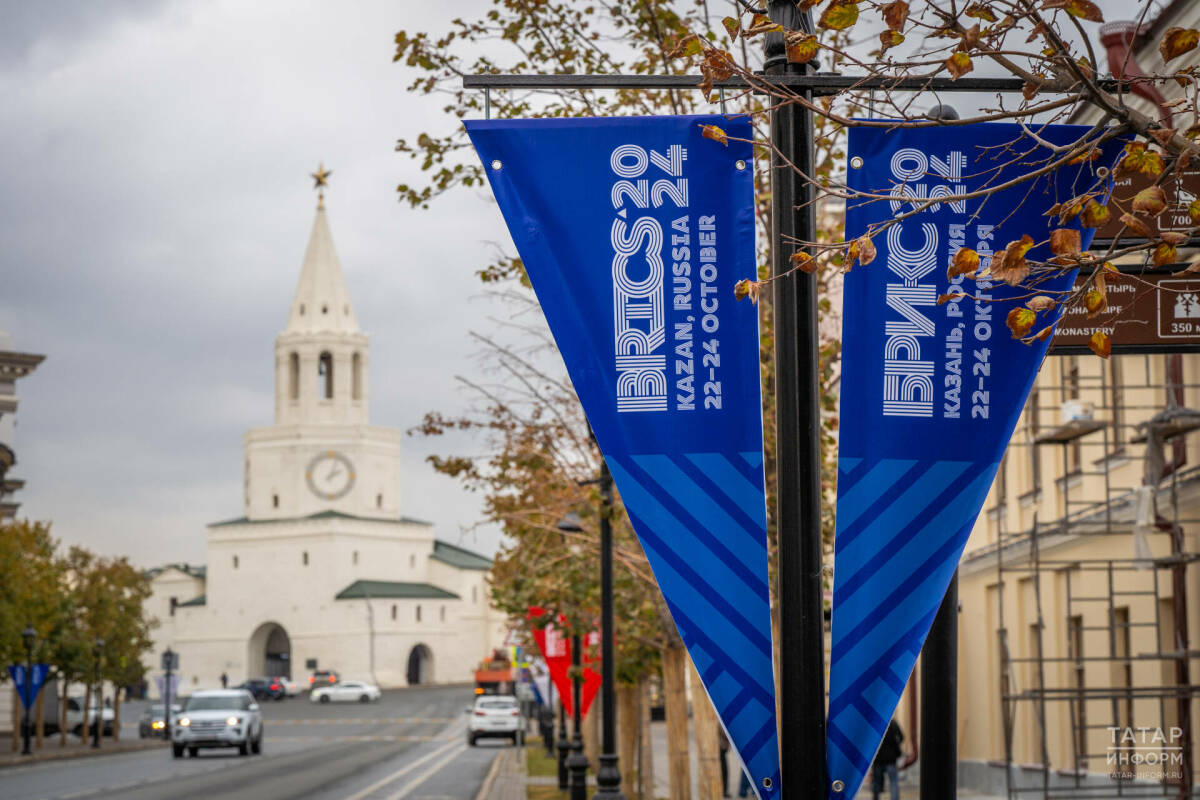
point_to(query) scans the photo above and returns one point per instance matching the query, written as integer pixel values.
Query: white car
(346, 692)
(496, 716)
(218, 718)
(290, 687)
(75, 716)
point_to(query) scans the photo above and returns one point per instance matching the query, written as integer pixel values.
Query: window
(393, 610)
(274, 501)
(304, 558)
(174, 602)
(356, 377)
(294, 374)
(418, 613)
(1115, 399)
(1002, 482)
(442, 614)
(325, 374)
(1079, 684)
(1070, 376)
(474, 594)
(1032, 409)
(354, 559)
(302, 309)
(379, 501)
(412, 562)
(1122, 669)
(324, 309)
(235, 562)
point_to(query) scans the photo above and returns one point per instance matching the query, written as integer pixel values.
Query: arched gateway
(420, 665)
(270, 652)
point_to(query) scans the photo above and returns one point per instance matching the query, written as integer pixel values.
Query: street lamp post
(97, 651)
(169, 662)
(563, 744)
(608, 776)
(577, 763)
(29, 636)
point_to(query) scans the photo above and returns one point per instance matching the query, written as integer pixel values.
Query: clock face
(330, 475)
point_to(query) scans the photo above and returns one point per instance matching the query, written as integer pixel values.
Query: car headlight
(233, 720)
(184, 722)
(157, 725)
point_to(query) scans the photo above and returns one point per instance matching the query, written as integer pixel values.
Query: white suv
(496, 715)
(218, 718)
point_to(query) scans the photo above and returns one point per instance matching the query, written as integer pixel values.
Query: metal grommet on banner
(740, 164)
(496, 163)
(856, 162)
(1102, 172)
(838, 786)
(767, 783)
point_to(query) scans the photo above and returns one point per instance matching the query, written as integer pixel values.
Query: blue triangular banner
(28, 683)
(633, 232)
(930, 393)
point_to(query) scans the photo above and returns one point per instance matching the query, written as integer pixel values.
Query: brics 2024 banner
(930, 391)
(633, 231)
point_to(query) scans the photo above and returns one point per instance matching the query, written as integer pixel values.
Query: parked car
(290, 687)
(263, 688)
(346, 692)
(75, 716)
(496, 716)
(322, 677)
(153, 723)
(218, 718)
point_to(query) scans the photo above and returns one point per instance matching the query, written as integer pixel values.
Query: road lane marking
(429, 773)
(400, 773)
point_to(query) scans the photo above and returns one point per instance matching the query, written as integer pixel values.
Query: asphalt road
(410, 744)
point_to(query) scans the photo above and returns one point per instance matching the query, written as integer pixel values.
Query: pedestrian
(224, 681)
(723, 746)
(885, 762)
(546, 725)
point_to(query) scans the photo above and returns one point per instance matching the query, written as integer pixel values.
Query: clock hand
(332, 473)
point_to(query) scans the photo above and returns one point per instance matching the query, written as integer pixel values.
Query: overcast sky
(154, 208)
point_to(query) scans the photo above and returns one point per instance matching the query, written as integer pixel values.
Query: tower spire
(322, 303)
(320, 181)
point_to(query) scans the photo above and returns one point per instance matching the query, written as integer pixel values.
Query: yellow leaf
(801, 47)
(839, 15)
(1164, 255)
(803, 262)
(714, 133)
(965, 261)
(861, 250)
(1150, 201)
(1094, 302)
(1020, 321)
(895, 15)
(1083, 9)
(1100, 343)
(732, 26)
(746, 288)
(959, 64)
(1095, 215)
(1177, 41)
(889, 39)
(980, 11)
(1194, 211)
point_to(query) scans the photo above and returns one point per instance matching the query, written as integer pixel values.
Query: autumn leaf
(687, 47)
(1136, 224)
(1091, 155)
(714, 133)
(980, 11)
(1041, 303)
(1177, 41)
(1009, 265)
(733, 26)
(746, 288)
(1174, 238)
(970, 38)
(895, 15)
(861, 250)
(1193, 210)
(1150, 201)
(803, 262)
(1094, 302)
(1045, 332)
(1029, 89)
(959, 64)
(840, 14)
(946, 298)
(1095, 215)
(888, 39)
(1065, 242)
(965, 262)
(801, 47)
(1083, 9)
(1164, 255)
(1163, 135)
(1100, 343)
(1020, 321)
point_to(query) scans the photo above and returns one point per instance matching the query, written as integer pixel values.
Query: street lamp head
(29, 636)
(570, 523)
(99, 644)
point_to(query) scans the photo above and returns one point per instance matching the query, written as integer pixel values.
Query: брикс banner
(930, 392)
(633, 231)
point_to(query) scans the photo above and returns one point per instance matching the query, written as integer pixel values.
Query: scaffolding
(1124, 736)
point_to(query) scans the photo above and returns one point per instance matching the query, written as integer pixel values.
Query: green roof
(394, 590)
(196, 570)
(330, 514)
(195, 601)
(456, 556)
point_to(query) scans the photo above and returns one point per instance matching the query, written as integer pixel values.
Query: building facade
(322, 570)
(13, 366)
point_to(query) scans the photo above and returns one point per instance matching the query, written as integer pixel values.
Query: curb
(79, 752)
(486, 787)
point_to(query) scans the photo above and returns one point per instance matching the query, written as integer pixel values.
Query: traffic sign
(28, 683)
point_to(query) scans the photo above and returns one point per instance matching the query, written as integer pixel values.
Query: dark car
(263, 688)
(152, 722)
(322, 677)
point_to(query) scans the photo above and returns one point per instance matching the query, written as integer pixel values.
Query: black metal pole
(797, 452)
(169, 656)
(25, 725)
(608, 775)
(939, 702)
(939, 672)
(563, 744)
(99, 698)
(577, 763)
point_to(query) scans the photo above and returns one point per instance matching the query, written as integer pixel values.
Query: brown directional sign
(1180, 188)
(1148, 312)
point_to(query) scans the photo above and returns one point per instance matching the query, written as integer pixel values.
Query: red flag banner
(555, 644)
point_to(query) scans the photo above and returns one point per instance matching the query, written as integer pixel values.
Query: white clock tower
(322, 570)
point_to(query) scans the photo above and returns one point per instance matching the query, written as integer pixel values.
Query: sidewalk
(52, 751)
